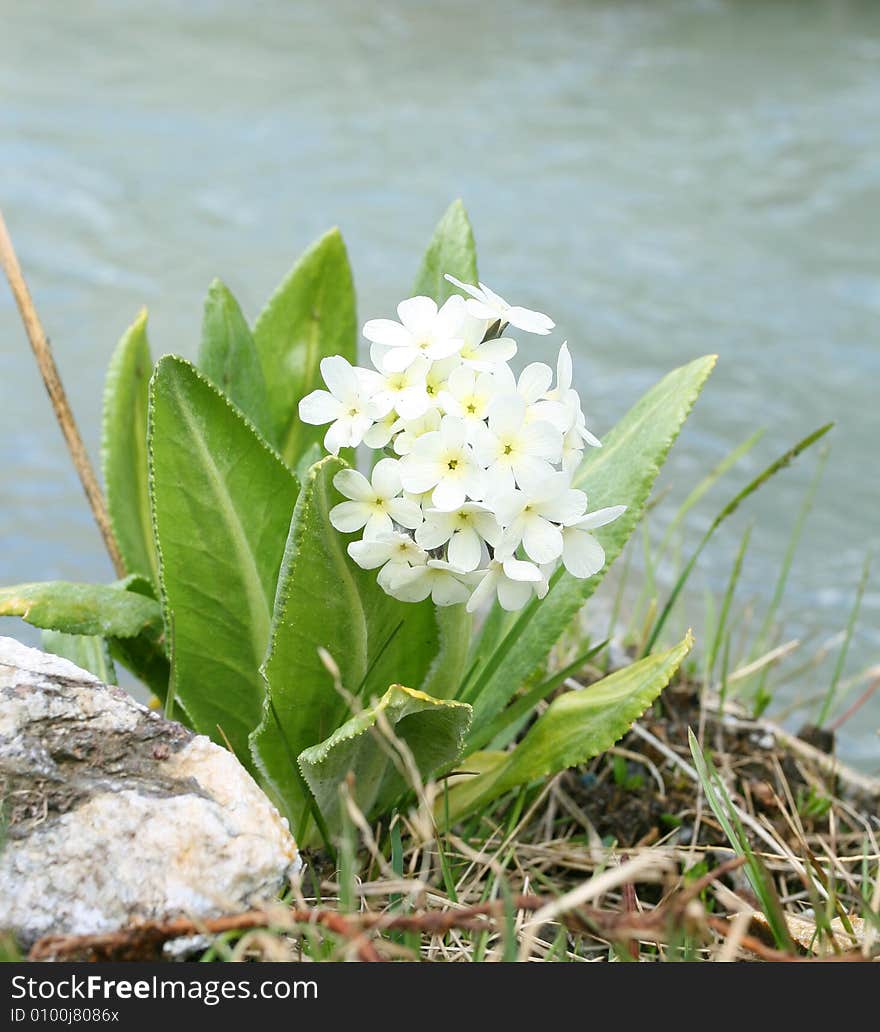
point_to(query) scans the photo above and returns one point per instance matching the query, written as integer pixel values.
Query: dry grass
(620, 860)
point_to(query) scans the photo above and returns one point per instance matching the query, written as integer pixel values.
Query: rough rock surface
(110, 813)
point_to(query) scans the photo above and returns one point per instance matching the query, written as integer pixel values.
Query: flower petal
(468, 288)
(582, 554)
(378, 525)
(519, 570)
(567, 507)
(542, 540)
(347, 517)
(484, 592)
(399, 359)
(319, 407)
(534, 381)
(387, 332)
(354, 485)
(465, 550)
(449, 494)
(513, 595)
(418, 314)
(563, 369)
(338, 436)
(542, 440)
(448, 591)
(417, 474)
(369, 554)
(405, 512)
(600, 517)
(411, 585)
(506, 414)
(339, 376)
(531, 322)
(495, 351)
(386, 478)
(413, 402)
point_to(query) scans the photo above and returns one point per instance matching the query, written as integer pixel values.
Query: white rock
(114, 814)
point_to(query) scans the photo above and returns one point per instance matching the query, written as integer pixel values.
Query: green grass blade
(722, 806)
(731, 507)
(724, 614)
(711, 478)
(828, 701)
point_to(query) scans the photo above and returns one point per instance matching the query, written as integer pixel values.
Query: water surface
(666, 179)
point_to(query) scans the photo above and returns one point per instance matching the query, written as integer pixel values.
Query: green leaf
(450, 653)
(723, 807)
(221, 507)
(432, 729)
(325, 601)
(144, 656)
(124, 449)
(622, 472)
(451, 250)
(86, 651)
(228, 357)
(100, 609)
(309, 317)
(317, 605)
(577, 726)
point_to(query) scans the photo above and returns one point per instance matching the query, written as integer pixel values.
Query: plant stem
(49, 371)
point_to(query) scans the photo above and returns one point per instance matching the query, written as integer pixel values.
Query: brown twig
(760, 949)
(63, 413)
(837, 724)
(147, 939)
(631, 906)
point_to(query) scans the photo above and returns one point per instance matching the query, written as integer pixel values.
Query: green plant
(244, 613)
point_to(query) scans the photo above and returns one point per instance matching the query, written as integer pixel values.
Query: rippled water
(666, 178)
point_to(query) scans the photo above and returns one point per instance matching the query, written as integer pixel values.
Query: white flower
(486, 304)
(436, 578)
(512, 449)
(464, 530)
(404, 391)
(513, 580)
(564, 375)
(408, 431)
(443, 460)
(532, 385)
(564, 394)
(393, 552)
(437, 377)
(480, 502)
(483, 355)
(572, 451)
(467, 396)
(530, 516)
(422, 331)
(375, 504)
(582, 554)
(381, 432)
(348, 404)
(580, 423)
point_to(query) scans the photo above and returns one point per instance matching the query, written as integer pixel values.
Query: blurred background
(664, 178)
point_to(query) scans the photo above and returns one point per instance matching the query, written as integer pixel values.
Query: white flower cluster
(475, 496)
